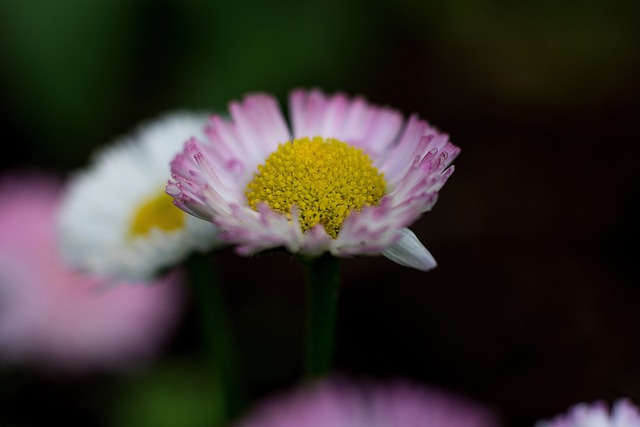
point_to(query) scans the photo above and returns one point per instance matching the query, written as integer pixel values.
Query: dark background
(534, 304)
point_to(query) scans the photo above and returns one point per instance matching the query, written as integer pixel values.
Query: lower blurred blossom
(58, 319)
(623, 413)
(342, 402)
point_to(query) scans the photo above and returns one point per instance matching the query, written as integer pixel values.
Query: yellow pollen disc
(157, 212)
(326, 179)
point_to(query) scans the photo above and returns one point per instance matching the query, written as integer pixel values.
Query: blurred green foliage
(78, 73)
(173, 394)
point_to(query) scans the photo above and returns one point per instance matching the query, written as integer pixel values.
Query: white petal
(101, 199)
(409, 252)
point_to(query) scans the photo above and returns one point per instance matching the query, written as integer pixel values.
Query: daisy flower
(623, 413)
(116, 219)
(61, 320)
(341, 176)
(340, 402)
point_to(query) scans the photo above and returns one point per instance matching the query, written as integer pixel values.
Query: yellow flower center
(157, 212)
(326, 179)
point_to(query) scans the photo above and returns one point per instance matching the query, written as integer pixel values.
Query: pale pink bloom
(623, 413)
(63, 321)
(342, 402)
(210, 176)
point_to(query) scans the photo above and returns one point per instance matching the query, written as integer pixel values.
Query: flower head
(116, 219)
(623, 413)
(58, 319)
(342, 402)
(343, 176)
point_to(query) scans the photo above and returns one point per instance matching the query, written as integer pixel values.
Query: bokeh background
(534, 304)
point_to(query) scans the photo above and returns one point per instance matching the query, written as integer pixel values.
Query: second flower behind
(115, 218)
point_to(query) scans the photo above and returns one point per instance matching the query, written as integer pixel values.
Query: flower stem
(323, 283)
(219, 342)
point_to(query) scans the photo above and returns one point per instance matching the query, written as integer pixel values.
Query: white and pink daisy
(342, 402)
(115, 218)
(60, 320)
(341, 176)
(623, 413)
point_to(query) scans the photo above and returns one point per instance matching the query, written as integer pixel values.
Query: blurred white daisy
(344, 177)
(116, 219)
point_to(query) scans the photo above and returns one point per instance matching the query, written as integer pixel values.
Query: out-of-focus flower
(347, 177)
(116, 219)
(342, 402)
(58, 319)
(623, 413)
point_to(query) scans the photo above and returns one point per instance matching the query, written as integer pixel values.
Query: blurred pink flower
(623, 414)
(58, 319)
(342, 402)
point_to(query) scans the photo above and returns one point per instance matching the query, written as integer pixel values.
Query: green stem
(323, 283)
(219, 341)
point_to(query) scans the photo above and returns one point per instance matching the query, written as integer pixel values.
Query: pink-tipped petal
(369, 127)
(260, 126)
(253, 231)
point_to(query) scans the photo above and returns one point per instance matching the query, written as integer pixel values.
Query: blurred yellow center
(325, 178)
(157, 212)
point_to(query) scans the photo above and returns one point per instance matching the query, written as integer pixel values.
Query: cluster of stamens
(326, 179)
